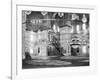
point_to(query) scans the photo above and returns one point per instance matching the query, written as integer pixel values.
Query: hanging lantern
(84, 19)
(28, 12)
(75, 16)
(61, 14)
(44, 13)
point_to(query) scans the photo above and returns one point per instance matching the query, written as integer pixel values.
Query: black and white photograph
(55, 39)
(51, 40)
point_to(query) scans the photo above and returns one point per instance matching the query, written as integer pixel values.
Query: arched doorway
(75, 49)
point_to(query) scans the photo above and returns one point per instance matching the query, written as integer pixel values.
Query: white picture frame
(17, 72)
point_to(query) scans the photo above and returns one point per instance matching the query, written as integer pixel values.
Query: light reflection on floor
(54, 61)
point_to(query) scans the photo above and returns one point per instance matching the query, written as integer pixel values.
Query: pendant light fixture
(61, 14)
(44, 13)
(75, 17)
(84, 19)
(28, 12)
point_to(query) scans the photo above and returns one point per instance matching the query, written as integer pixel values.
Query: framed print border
(15, 64)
